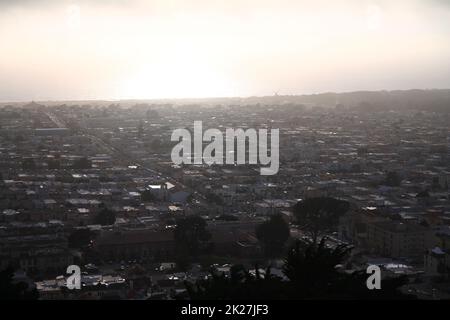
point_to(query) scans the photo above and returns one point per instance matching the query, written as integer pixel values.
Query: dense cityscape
(91, 183)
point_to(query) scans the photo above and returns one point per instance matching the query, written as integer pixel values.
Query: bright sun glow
(174, 79)
(181, 71)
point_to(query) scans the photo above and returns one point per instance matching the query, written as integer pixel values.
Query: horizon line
(217, 97)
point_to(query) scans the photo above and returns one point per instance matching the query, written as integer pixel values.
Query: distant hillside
(437, 100)
(419, 100)
(425, 100)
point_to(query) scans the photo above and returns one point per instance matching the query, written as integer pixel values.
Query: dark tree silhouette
(105, 217)
(273, 234)
(12, 290)
(80, 238)
(315, 215)
(313, 272)
(240, 285)
(312, 269)
(191, 235)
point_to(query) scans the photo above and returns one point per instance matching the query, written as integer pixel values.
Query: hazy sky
(112, 49)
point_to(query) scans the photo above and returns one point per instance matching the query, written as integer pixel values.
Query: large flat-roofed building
(136, 244)
(35, 253)
(398, 239)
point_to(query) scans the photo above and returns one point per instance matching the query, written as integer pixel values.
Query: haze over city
(60, 50)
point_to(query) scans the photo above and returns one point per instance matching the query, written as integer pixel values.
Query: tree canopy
(105, 217)
(191, 234)
(273, 234)
(311, 272)
(316, 215)
(80, 238)
(15, 290)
